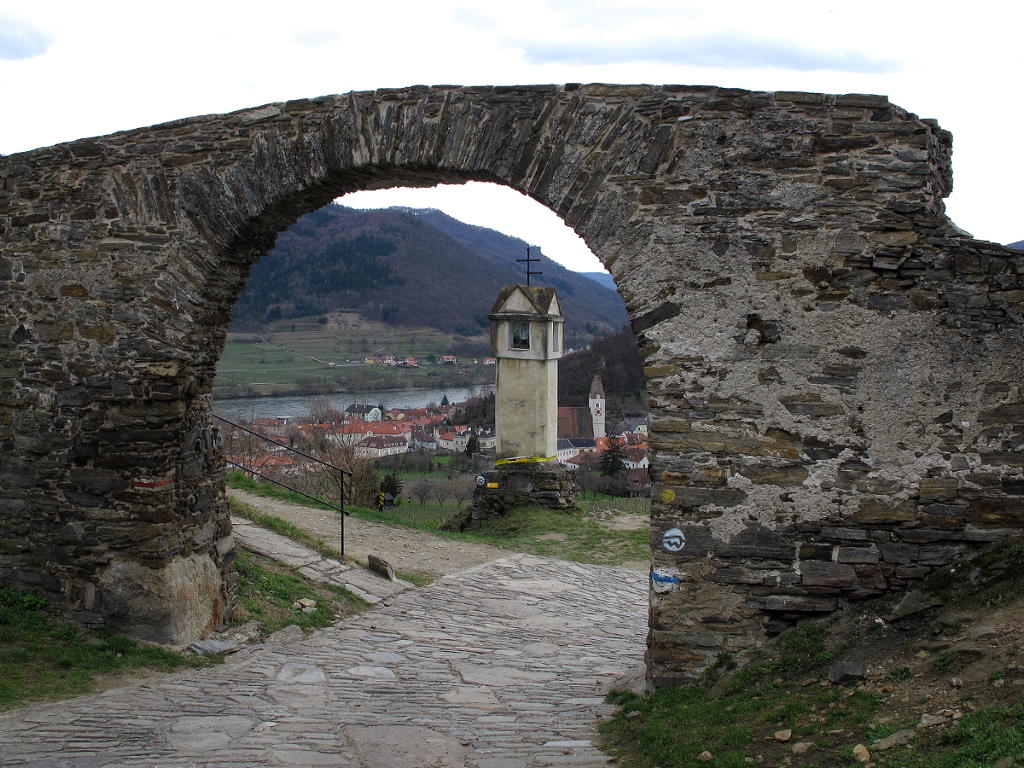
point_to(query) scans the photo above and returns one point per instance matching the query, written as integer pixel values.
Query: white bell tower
(526, 338)
(597, 406)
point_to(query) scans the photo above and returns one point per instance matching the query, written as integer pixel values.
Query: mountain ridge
(409, 267)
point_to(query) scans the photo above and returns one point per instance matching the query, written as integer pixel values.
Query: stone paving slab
(311, 564)
(504, 665)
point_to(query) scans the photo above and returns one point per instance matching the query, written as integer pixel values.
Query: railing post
(341, 473)
(341, 516)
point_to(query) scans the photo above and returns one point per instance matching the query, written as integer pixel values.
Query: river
(246, 408)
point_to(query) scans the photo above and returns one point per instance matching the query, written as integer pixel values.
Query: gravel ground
(411, 551)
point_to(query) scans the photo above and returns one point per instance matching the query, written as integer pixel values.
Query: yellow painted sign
(668, 495)
(523, 460)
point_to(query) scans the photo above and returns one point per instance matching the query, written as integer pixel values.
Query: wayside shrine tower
(526, 338)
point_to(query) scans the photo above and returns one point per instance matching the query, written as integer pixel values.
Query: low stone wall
(509, 486)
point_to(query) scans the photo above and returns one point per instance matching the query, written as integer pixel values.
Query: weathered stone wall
(834, 369)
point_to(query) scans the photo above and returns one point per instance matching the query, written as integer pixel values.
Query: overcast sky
(74, 69)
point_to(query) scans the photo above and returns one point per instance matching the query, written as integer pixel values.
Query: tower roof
(527, 300)
(597, 387)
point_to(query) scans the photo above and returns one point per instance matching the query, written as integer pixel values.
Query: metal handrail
(340, 470)
(283, 445)
(269, 479)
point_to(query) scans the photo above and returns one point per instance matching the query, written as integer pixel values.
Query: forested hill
(408, 267)
(618, 361)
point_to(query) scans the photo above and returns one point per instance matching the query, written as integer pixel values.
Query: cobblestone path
(500, 666)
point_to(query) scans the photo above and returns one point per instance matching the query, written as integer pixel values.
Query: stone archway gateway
(834, 368)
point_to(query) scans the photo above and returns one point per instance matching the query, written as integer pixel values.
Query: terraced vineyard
(325, 354)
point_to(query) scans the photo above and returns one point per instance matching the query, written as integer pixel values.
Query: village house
(488, 440)
(588, 460)
(421, 439)
(350, 434)
(634, 438)
(377, 446)
(446, 441)
(389, 427)
(636, 458)
(364, 412)
(571, 446)
(632, 424)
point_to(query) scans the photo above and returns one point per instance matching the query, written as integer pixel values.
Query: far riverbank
(293, 406)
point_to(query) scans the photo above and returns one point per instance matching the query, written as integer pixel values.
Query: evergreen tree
(473, 444)
(391, 484)
(444, 400)
(613, 460)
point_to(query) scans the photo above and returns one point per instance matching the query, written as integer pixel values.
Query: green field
(294, 358)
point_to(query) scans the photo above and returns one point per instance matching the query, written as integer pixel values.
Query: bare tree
(240, 447)
(462, 490)
(421, 491)
(317, 408)
(441, 492)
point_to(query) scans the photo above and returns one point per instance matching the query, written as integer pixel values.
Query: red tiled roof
(636, 455)
(381, 441)
(388, 427)
(352, 429)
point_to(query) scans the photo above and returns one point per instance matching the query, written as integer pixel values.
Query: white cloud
(722, 51)
(21, 40)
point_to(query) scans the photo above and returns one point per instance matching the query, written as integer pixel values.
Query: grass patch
(297, 534)
(267, 590)
(283, 527)
(898, 674)
(734, 718)
(568, 534)
(976, 741)
(42, 657)
(427, 517)
(270, 491)
(957, 660)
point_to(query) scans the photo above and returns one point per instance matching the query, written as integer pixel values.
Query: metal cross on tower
(529, 261)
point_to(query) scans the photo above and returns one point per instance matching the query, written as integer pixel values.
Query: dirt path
(411, 551)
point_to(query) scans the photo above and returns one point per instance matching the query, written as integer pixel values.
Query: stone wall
(834, 369)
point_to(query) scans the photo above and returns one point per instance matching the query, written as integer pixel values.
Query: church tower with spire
(597, 406)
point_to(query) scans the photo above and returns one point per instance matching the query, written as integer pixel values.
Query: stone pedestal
(515, 485)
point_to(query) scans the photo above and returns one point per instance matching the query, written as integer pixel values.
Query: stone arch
(804, 306)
